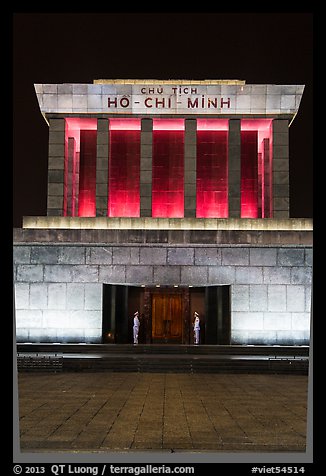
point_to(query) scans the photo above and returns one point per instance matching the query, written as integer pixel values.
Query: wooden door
(167, 312)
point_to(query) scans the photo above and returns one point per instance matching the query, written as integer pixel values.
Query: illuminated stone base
(59, 275)
(266, 224)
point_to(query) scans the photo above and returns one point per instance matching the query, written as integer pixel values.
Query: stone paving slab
(155, 411)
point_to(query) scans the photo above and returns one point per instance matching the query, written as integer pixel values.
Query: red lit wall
(212, 170)
(73, 128)
(66, 174)
(249, 174)
(267, 175)
(87, 174)
(168, 170)
(124, 170)
(261, 167)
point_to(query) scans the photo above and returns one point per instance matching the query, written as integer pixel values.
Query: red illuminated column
(260, 187)
(87, 174)
(65, 177)
(212, 193)
(102, 159)
(75, 184)
(124, 166)
(168, 173)
(249, 174)
(234, 167)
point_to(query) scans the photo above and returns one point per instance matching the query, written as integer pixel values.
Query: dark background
(261, 48)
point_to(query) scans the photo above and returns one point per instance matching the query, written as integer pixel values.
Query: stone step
(162, 363)
(165, 349)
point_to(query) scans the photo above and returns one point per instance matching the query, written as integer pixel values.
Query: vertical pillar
(56, 167)
(280, 150)
(146, 141)
(260, 185)
(190, 174)
(267, 180)
(70, 177)
(102, 161)
(75, 183)
(234, 168)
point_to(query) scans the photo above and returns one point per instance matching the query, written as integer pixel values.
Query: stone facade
(185, 97)
(58, 287)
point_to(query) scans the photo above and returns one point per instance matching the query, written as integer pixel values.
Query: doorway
(167, 313)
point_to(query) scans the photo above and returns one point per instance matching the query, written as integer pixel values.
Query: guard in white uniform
(196, 327)
(136, 327)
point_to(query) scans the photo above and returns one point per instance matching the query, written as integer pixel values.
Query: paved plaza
(156, 411)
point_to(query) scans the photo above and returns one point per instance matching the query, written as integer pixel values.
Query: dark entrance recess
(218, 315)
(166, 314)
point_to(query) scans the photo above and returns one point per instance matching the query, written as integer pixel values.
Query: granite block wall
(146, 167)
(190, 167)
(280, 169)
(56, 167)
(58, 287)
(102, 154)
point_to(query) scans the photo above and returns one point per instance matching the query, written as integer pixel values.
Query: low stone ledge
(163, 237)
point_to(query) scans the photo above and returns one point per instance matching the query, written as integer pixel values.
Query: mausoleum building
(170, 198)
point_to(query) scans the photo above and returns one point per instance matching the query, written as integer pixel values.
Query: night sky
(261, 48)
